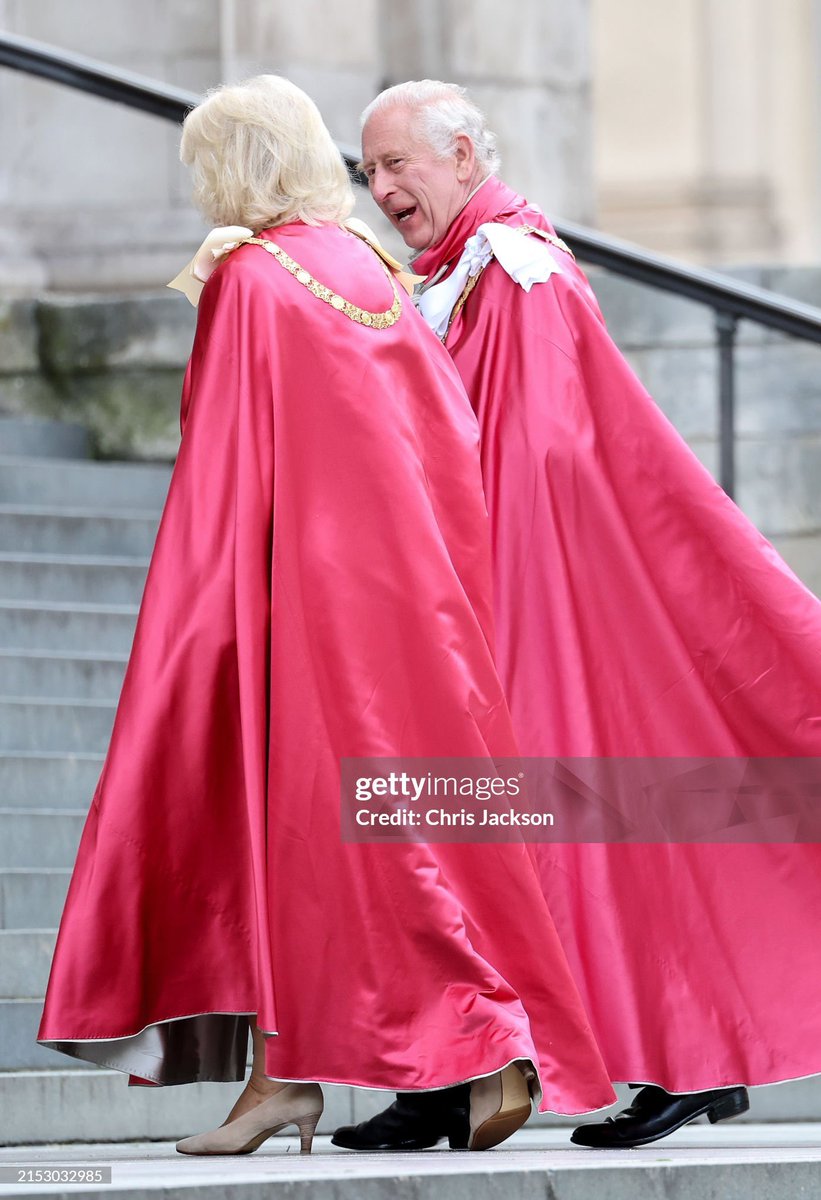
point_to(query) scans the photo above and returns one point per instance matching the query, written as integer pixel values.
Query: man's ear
(465, 158)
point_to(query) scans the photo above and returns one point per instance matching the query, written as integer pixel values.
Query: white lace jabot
(527, 260)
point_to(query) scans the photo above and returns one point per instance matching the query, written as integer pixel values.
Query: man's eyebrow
(360, 166)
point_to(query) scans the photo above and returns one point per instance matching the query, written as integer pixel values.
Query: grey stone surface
(50, 530)
(130, 414)
(778, 483)
(43, 675)
(18, 337)
(44, 837)
(557, 120)
(32, 898)
(19, 1021)
(28, 395)
(48, 780)
(86, 333)
(797, 282)
(803, 554)
(89, 580)
(39, 625)
(546, 43)
(779, 389)
(45, 439)
(25, 961)
(638, 316)
(682, 381)
(46, 724)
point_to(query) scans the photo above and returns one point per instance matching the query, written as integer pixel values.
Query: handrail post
(726, 325)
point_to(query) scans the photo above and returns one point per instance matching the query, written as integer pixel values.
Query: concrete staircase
(75, 539)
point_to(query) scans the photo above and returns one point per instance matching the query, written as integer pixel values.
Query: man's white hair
(441, 112)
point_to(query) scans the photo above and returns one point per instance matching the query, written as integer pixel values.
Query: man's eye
(394, 163)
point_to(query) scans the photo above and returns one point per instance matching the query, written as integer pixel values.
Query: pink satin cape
(639, 613)
(320, 588)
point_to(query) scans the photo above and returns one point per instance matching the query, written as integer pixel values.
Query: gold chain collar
(373, 320)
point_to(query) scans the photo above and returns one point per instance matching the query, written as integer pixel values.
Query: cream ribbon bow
(219, 242)
(194, 275)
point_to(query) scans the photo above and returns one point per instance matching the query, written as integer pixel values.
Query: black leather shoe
(415, 1121)
(654, 1113)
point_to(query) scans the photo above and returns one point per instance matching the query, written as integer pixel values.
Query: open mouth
(404, 214)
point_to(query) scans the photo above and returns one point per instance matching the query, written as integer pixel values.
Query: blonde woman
(319, 590)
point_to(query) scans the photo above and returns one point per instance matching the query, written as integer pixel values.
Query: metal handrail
(95, 78)
(731, 300)
(720, 292)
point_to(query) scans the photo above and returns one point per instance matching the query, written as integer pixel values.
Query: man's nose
(381, 185)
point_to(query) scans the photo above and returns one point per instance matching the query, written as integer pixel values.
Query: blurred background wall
(91, 195)
(707, 116)
(693, 127)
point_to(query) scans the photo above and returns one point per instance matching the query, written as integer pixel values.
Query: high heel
(499, 1105)
(297, 1104)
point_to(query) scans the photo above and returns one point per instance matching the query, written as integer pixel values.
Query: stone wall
(92, 196)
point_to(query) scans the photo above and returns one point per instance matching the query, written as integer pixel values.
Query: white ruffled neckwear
(526, 259)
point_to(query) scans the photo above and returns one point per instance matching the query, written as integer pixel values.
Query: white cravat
(527, 260)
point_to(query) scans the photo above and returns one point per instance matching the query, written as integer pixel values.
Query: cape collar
(489, 200)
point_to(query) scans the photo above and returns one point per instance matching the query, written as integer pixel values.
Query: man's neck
(416, 253)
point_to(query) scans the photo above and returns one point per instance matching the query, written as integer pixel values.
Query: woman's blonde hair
(260, 155)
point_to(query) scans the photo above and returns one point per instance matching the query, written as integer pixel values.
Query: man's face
(419, 193)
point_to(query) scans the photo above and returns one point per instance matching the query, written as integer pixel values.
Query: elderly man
(639, 616)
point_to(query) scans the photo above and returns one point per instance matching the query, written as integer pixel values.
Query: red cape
(639, 613)
(320, 588)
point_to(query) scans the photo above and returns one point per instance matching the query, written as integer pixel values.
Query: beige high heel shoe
(297, 1104)
(499, 1105)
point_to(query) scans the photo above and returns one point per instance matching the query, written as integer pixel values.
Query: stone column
(329, 49)
(93, 196)
(527, 66)
(708, 115)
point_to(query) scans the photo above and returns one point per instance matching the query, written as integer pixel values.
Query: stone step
(32, 898)
(73, 1105)
(25, 961)
(701, 1162)
(45, 529)
(42, 625)
(48, 780)
(43, 439)
(19, 1022)
(51, 674)
(83, 484)
(90, 580)
(39, 837)
(43, 724)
